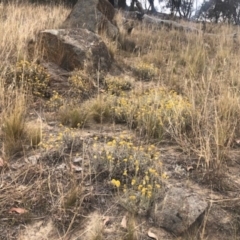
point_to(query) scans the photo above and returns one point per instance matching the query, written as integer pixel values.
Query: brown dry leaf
(189, 168)
(152, 235)
(106, 220)
(124, 222)
(18, 210)
(1, 162)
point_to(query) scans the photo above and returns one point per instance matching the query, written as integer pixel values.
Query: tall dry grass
(201, 69)
(205, 69)
(19, 23)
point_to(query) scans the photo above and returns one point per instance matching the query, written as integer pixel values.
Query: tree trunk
(122, 4)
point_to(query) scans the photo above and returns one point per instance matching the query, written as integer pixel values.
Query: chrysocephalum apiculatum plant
(30, 77)
(135, 171)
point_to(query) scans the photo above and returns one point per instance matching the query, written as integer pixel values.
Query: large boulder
(180, 208)
(74, 49)
(95, 15)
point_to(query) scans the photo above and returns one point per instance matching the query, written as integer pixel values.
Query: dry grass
(204, 69)
(20, 23)
(17, 135)
(95, 228)
(73, 117)
(192, 100)
(13, 127)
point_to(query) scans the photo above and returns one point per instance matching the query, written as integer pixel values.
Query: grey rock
(220, 223)
(58, 77)
(179, 210)
(74, 49)
(61, 166)
(33, 159)
(95, 15)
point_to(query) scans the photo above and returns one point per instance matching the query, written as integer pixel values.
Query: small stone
(33, 159)
(52, 123)
(61, 166)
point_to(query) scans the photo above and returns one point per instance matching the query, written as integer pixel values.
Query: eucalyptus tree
(220, 11)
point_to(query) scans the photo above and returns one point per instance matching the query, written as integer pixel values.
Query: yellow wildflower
(132, 197)
(149, 194)
(144, 191)
(133, 181)
(116, 183)
(149, 186)
(165, 176)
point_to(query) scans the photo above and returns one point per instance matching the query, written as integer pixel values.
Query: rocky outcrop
(179, 210)
(74, 49)
(77, 44)
(95, 15)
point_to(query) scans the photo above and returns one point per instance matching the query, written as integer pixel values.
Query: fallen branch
(158, 22)
(168, 23)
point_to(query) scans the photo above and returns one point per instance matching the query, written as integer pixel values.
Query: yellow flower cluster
(56, 140)
(116, 183)
(32, 77)
(55, 102)
(137, 168)
(152, 112)
(116, 85)
(81, 84)
(145, 71)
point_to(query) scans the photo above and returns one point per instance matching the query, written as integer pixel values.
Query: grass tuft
(73, 117)
(14, 128)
